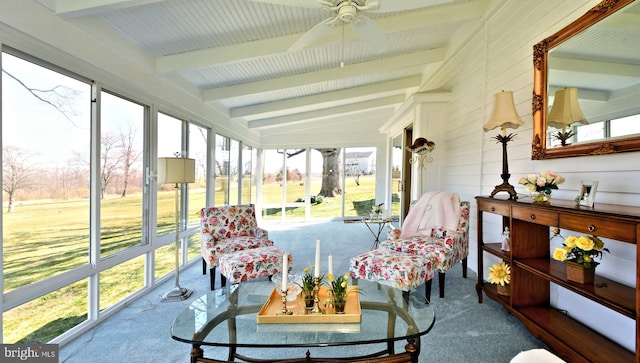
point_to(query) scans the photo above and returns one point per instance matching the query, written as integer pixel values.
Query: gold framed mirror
(590, 44)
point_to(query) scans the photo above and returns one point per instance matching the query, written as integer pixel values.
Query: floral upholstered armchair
(444, 247)
(227, 229)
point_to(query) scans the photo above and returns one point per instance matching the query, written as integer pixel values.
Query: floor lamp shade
(176, 170)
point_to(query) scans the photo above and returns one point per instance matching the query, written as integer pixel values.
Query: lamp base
(505, 187)
(177, 294)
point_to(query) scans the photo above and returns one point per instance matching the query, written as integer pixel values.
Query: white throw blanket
(433, 210)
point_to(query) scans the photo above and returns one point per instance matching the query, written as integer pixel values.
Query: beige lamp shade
(176, 170)
(504, 113)
(566, 109)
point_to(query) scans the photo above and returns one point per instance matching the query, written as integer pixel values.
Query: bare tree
(59, 97)
(17, 173)
(110, 163)
(129, 156)
(330, 170)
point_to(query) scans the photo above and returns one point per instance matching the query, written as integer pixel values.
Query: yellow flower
(500, 273)
(598, 244)
(330, 276)
(585, 243)
(587, 258)
(560, 254)
(570, 241)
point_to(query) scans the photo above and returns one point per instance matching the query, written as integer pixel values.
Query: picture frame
(587, 193)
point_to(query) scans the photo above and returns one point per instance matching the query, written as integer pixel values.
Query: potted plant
(339, 290)
(307, 284)
(579, 253)
(500, 274)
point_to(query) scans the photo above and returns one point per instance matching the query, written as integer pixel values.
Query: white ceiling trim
(349, 71)
(75, 8)
(312, 116)
(329, 99)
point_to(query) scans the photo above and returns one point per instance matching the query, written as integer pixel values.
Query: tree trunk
(330, 172)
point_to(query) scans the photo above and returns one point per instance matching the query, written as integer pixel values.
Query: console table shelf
(533, 271)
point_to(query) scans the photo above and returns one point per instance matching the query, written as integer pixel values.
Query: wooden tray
(268, 313)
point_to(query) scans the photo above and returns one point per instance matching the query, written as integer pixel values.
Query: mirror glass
(597, 59)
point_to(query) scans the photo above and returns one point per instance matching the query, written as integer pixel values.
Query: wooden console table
(532, 272)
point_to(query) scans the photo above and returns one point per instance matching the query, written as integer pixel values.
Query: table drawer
(497, 208)
(617, 230)
(537, 216)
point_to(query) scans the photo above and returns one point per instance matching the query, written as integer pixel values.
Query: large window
(46, 127)
(330, 182)
(76, 179)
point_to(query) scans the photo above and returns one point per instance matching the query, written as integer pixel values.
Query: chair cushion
(251, 264)
(433, 249)
(231, 245)
(396, 269)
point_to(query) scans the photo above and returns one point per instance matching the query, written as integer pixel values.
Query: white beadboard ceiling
(233, 54)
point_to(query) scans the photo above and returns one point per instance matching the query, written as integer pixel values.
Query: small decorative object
(587, 193)
(500, 274)
(578, 253)
(376, 211)
(505, 239)
(307, 286)
(338, 288)
(541, 186)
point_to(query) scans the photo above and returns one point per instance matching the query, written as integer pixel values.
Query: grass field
(44, 239)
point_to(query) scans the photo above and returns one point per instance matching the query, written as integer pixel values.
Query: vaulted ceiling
(236, 54)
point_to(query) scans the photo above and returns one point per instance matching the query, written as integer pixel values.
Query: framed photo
(587, 193)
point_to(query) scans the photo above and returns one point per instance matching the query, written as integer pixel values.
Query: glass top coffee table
(228, 318)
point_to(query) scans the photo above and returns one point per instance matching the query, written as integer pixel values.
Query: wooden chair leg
(212, 278)
(223, 281)
(441, 283)
(427, 290)
(464, 267)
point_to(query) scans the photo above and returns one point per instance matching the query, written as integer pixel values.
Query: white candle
(331, 264)
(317, 265)
(285, 272)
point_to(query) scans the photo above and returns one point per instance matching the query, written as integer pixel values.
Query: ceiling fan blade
(369, 32)
(312, 35)
(390, 6)
(313, 4)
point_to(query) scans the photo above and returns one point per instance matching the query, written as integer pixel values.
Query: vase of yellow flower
(339, 291)
(500, 274)
(578, 254)
(541, 186)
(307, 286)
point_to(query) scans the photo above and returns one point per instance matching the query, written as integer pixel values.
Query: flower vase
(504, 290)
(339, 306)
(541, 198)
(578, 273)
(308, 300)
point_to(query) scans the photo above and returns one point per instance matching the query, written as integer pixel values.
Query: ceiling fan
(352, 12)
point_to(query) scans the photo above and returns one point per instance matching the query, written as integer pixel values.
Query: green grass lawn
(44, 239)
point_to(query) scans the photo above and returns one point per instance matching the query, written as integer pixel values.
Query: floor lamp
(504, 115)
(176, 171)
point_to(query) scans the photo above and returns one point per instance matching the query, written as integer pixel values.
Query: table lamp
(504, 115)
(176, 171)
(565, 111)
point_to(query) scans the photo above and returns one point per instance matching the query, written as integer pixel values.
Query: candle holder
(284, 310)
(316, 300)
